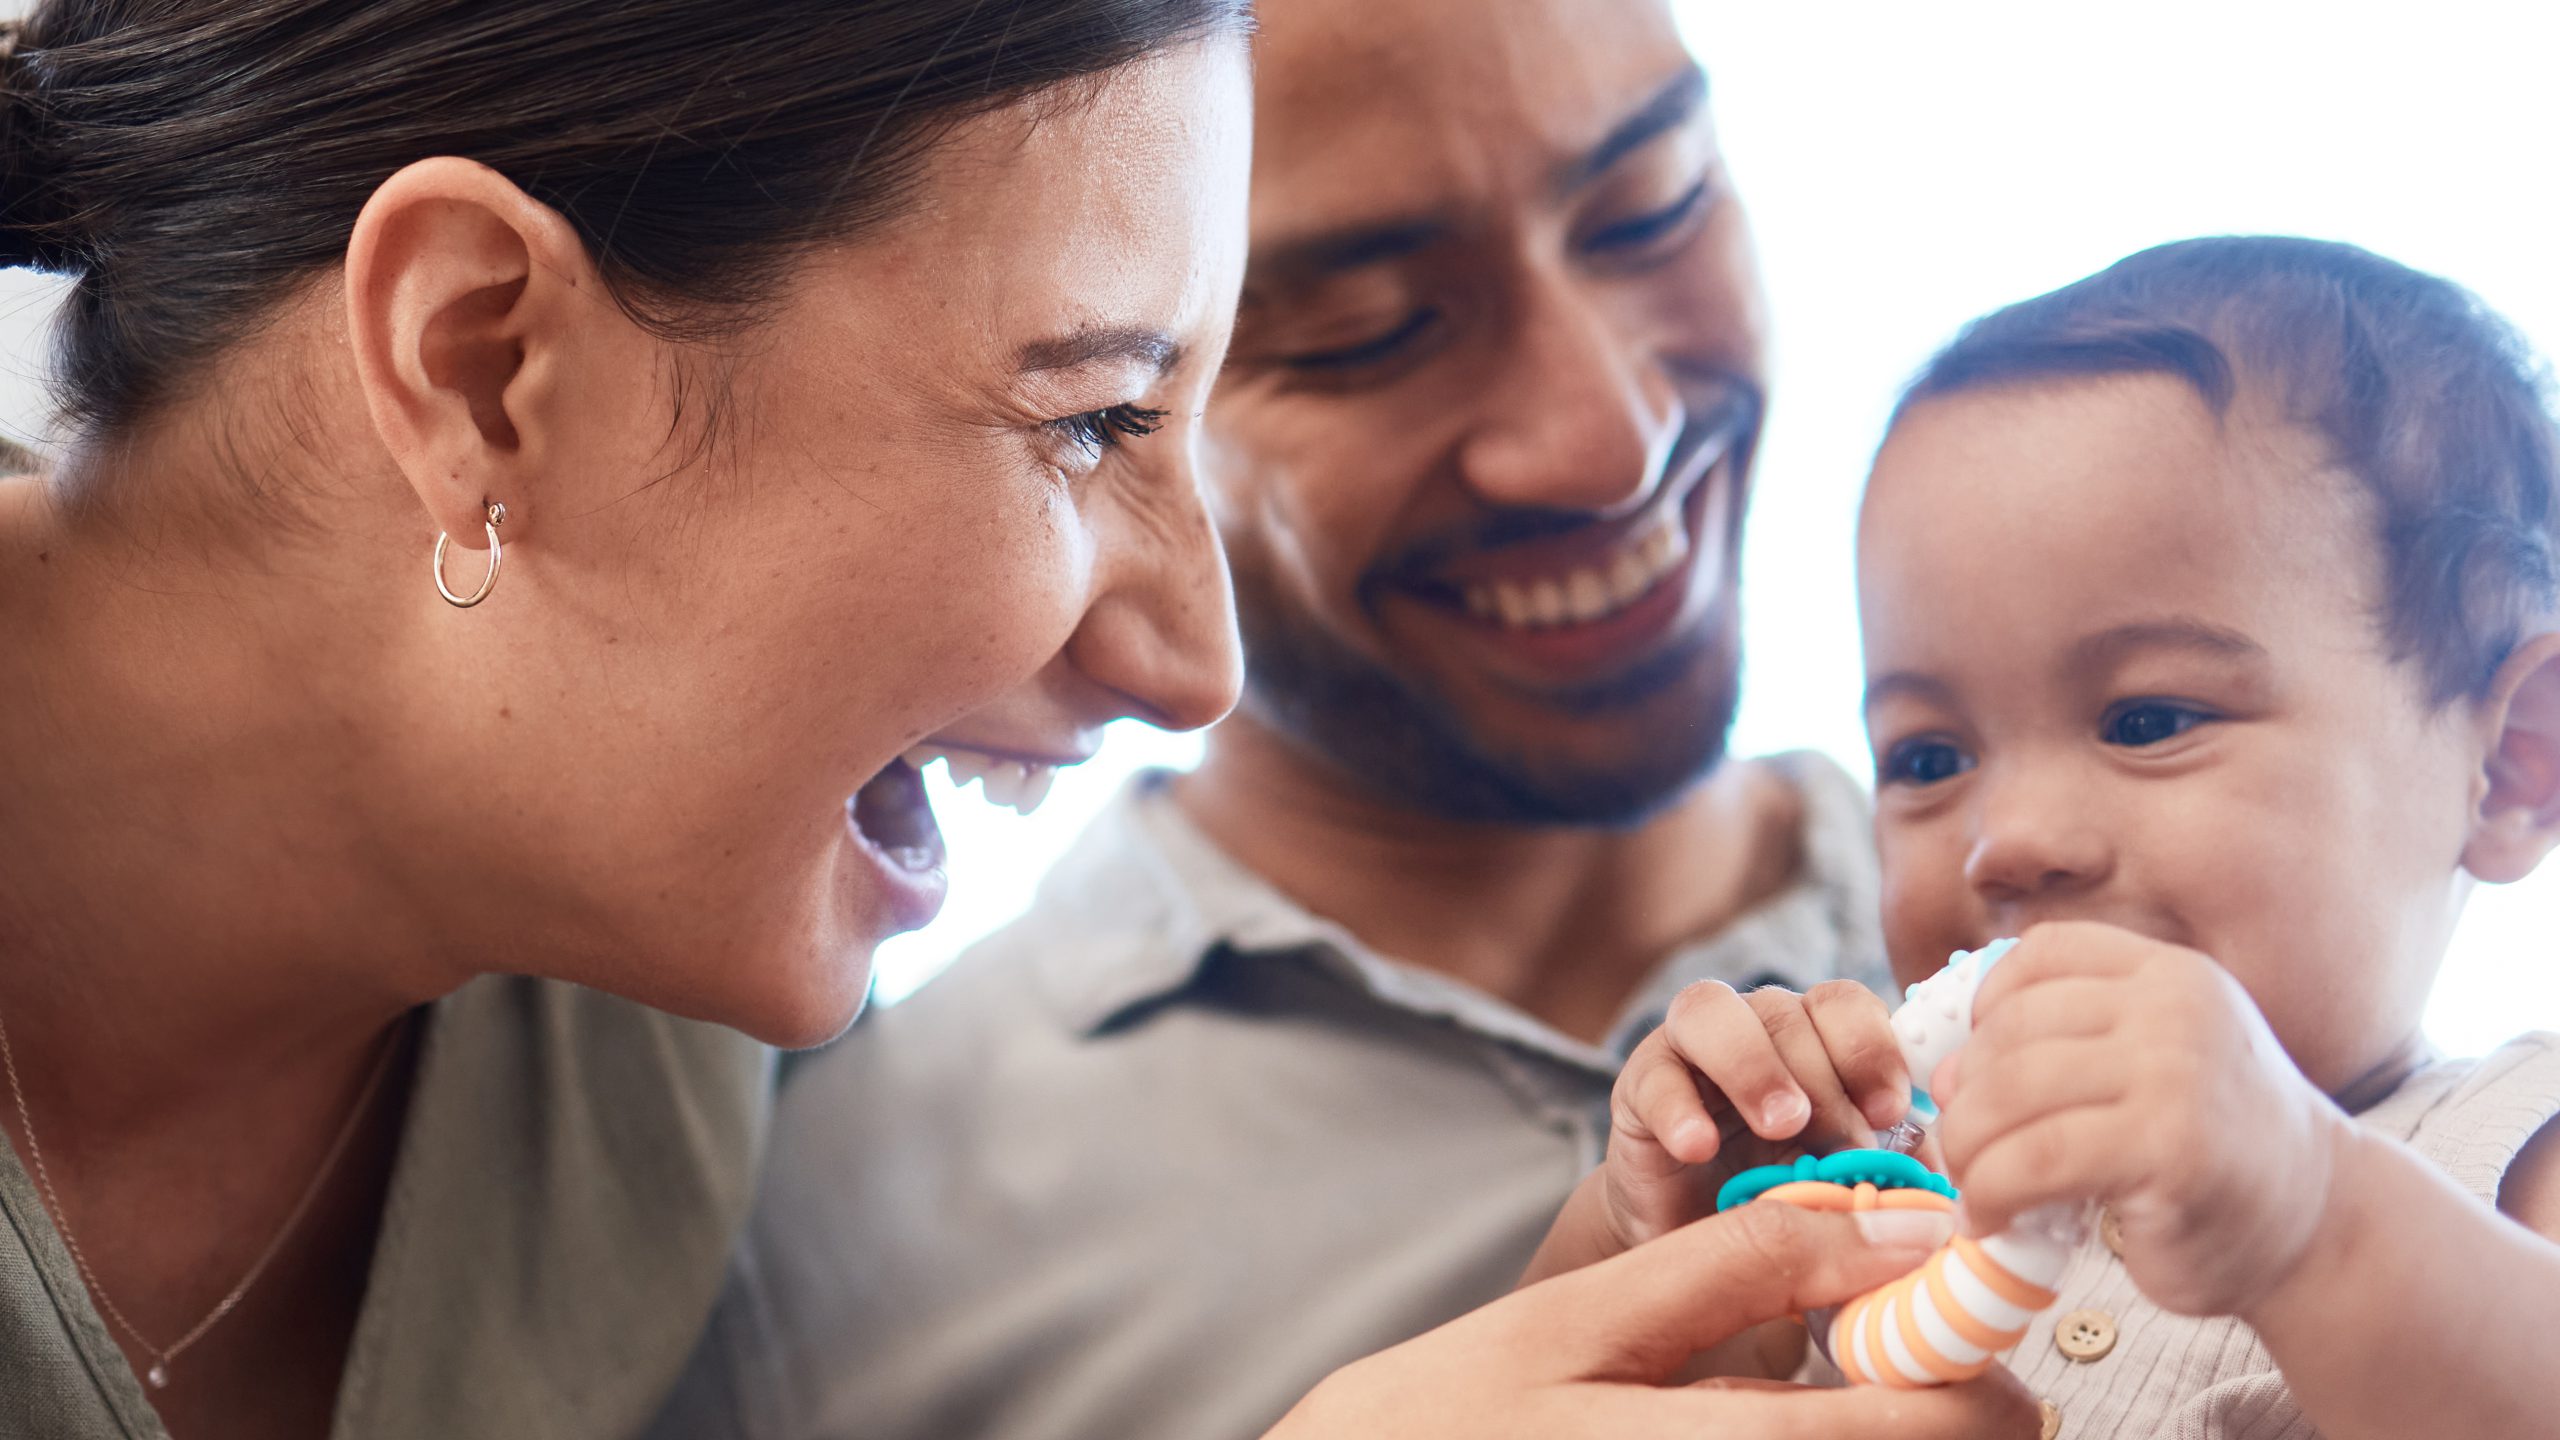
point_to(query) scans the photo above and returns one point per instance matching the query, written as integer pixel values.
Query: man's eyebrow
(1331, 252)
(1100, 342)
(2110, 647)
(1669, 109)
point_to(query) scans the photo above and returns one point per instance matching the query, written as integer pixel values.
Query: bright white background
(1910, 165)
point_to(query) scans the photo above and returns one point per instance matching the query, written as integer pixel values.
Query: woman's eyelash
(1103, 429)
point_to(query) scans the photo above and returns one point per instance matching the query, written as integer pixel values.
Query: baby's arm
(2464, 1303)
(1729, 1081)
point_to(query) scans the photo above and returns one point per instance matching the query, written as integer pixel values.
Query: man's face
(1483, 441)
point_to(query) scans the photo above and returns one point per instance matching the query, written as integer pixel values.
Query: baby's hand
(1729, 1080)
(2111, 1067)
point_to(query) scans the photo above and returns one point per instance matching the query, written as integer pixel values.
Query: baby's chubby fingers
(1723, 1037)
(1834, 1118)
(1856, 1030)
(1658, 1120)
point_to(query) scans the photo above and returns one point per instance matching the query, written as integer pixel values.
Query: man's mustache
(1725, 423)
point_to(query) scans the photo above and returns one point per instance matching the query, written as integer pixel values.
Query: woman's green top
(571, 1175)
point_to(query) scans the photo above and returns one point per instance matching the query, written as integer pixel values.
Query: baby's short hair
(2428, 397)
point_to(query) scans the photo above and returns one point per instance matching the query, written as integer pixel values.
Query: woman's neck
(202, 961)
(187, 824)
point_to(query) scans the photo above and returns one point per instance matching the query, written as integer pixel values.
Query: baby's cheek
(1929, 912)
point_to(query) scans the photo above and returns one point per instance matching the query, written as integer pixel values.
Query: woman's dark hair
(2435, 404)
(189, 160)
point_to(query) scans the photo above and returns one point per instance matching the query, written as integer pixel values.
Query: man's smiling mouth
(1602, 587)
(1543, 571)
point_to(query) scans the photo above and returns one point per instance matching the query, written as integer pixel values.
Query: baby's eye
(2149, 722)
(1923, 760)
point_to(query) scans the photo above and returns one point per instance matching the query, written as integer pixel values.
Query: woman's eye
(1644, 231)
(1923, 761)
(1101, 430)
(2149, 722)
(1366, 352)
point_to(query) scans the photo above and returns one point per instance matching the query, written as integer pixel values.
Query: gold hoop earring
(497, 517)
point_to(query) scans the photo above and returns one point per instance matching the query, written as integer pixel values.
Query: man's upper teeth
(1586, 594)
(1003, 782)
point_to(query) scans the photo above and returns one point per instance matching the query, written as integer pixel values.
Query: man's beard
(1412, 748)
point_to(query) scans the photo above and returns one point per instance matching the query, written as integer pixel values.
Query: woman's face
(949, 499)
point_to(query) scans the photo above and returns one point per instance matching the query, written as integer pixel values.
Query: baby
(2213, 640)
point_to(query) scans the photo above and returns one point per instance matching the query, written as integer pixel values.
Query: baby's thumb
(1644, 1313)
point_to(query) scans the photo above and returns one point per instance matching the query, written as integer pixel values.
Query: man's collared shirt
(1154, 1160)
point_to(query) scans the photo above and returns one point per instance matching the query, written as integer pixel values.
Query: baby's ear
(2518, 819)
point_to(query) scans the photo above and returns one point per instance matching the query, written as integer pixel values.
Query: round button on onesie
(2085, 1335)
(2051, 1415)
(2111, 1232)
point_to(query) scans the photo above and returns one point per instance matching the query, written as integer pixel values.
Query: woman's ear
(465, 300)
(2518, 819)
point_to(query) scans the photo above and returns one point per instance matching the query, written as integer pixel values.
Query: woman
(775, 389)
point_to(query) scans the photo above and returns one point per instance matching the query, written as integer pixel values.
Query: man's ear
(2518, 819)
(464, 301)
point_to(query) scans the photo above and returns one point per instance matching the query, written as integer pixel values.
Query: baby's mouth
(892, 813)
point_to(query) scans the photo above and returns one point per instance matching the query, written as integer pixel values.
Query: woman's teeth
(1596, 592)
(1002, 782)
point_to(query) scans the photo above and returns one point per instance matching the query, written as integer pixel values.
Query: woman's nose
(1578, 419)
(1161, 633)
(2034, 838)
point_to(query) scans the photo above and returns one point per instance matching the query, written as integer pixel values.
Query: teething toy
(1972, 1299)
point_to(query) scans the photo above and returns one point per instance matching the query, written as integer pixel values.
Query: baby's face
(2125, 664)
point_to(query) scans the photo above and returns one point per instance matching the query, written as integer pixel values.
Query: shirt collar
(1145, 900)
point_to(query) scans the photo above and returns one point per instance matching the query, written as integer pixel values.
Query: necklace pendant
(158, 1375)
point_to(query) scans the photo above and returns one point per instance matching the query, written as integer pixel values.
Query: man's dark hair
(2432, 401)
(190, 160)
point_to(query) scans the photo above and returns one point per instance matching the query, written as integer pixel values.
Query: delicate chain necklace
(158, 1374)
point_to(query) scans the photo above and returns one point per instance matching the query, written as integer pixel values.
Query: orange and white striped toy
(1973, 1299)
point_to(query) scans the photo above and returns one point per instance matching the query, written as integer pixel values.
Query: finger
(2069, 1155)
(1994, 1407)
(2056, 949)
(1640, 1315)
(1657, 1114)
(2060, 1008)
(1718, 1034)
(1835, 1119)
(1857, 1031)
(1998, 1094)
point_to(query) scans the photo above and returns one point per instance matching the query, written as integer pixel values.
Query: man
(1299, 1055)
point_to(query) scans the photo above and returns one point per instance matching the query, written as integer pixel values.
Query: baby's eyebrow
(2108, 648)
(1905, 682)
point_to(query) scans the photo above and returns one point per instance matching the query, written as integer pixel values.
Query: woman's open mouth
(893, 818)
(894, 821)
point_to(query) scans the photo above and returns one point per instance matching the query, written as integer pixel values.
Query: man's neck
(1565, 923)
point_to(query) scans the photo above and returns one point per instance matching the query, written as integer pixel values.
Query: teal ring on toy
(1884, 1169)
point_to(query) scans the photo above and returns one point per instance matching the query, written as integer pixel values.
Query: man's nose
(1160, 635)
(1576, 417)
(2034, 838)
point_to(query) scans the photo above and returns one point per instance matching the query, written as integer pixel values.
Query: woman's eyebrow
(1091, 343)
